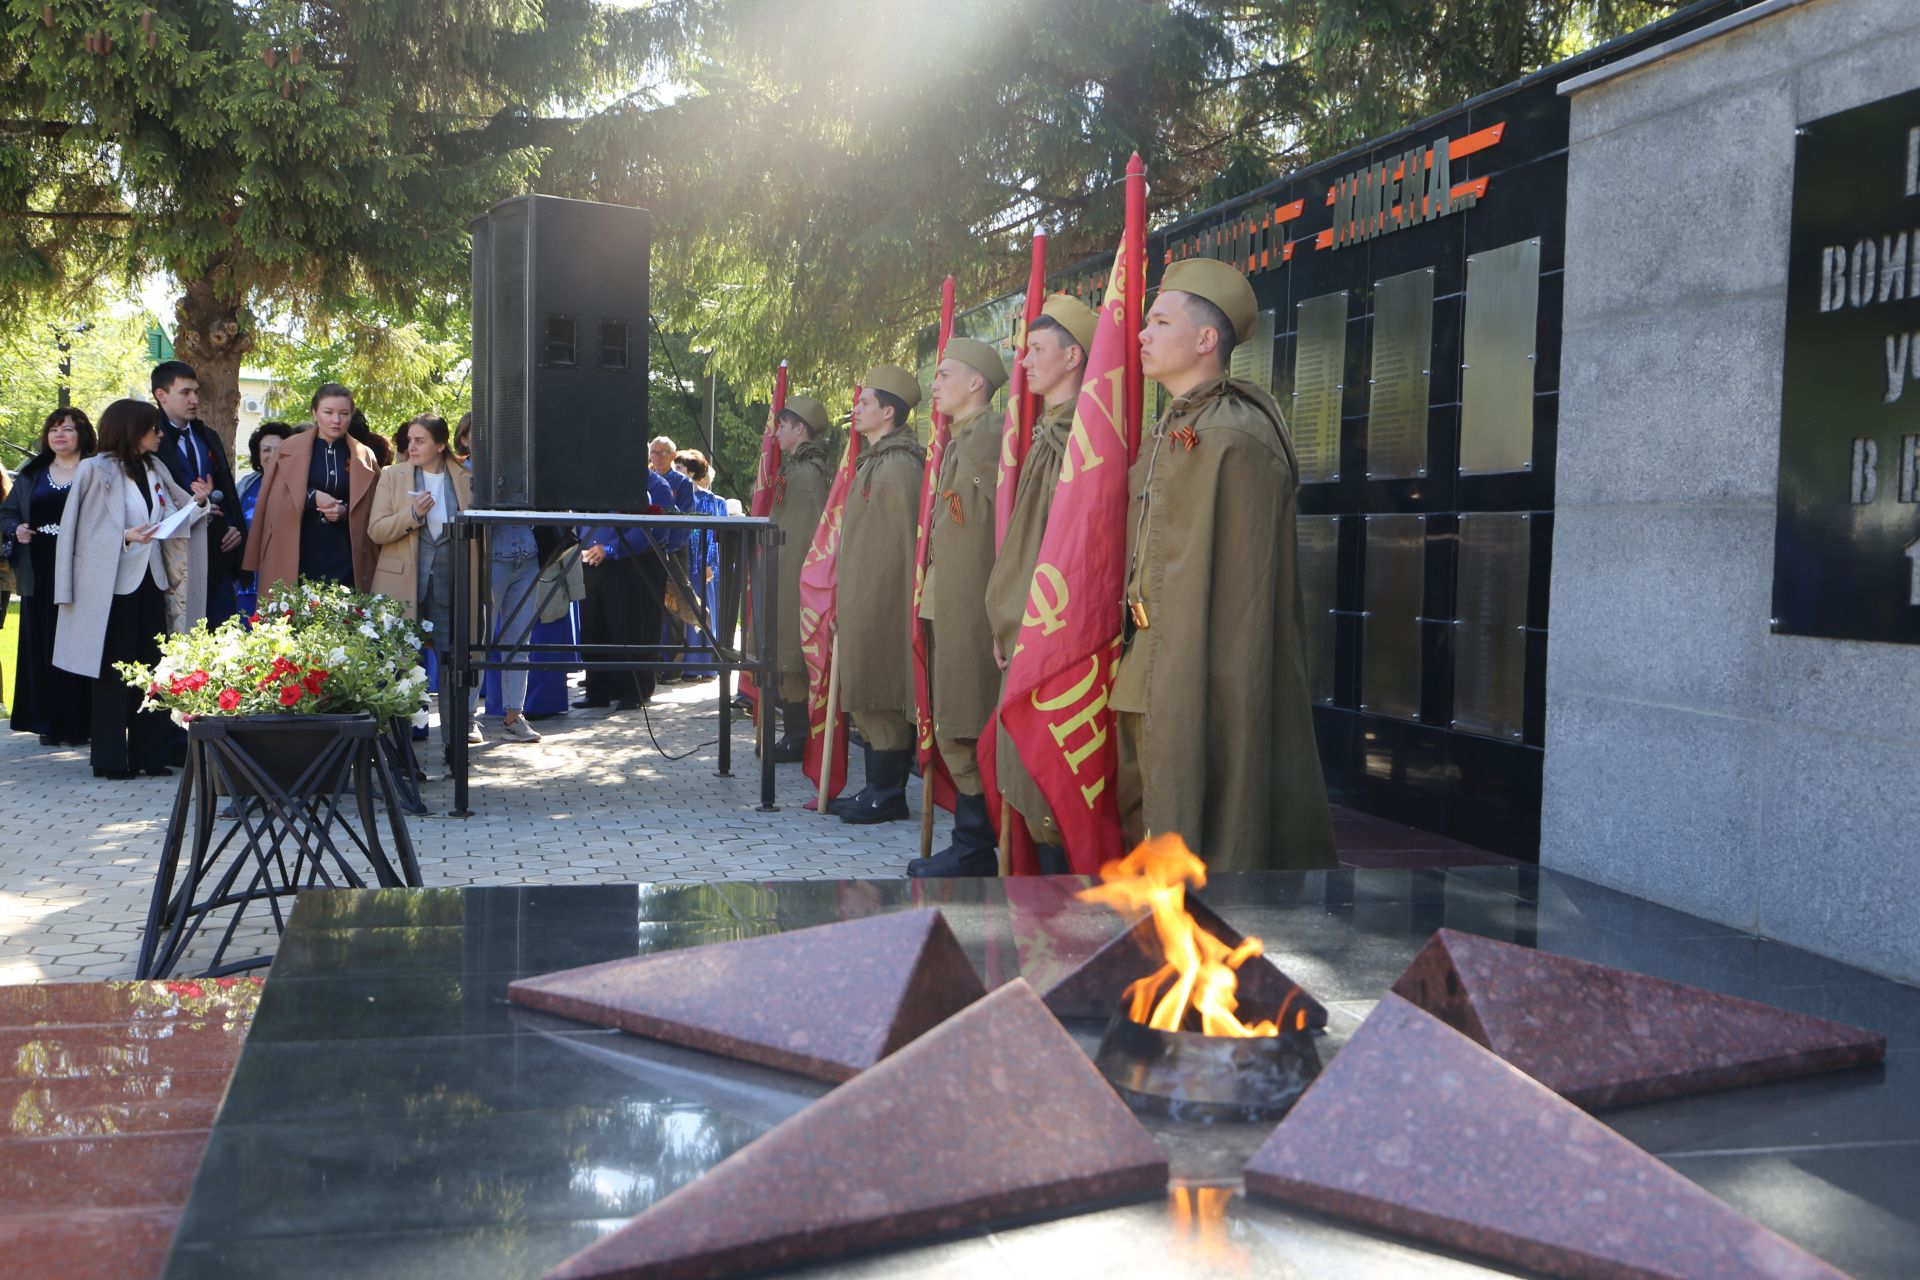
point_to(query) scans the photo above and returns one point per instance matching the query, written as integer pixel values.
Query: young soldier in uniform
(1056, 361)
(875, 592)
(960, 553)
(1213, 720)
(799, 496)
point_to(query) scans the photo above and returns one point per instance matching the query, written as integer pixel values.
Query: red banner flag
(819, 586)
(1061, 670)
(762, 506)
(934, 778)
(1016, 436)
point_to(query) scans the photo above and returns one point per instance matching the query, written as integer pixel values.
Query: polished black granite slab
(393, 1116)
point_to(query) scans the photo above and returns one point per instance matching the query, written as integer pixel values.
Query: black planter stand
(293, 780)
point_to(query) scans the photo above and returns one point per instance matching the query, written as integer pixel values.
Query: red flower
(198, 680)
(154, 688)
(289, 694)
(223, 982)
(229, 699)
(185, 988)
(253, 617)
(314, 679)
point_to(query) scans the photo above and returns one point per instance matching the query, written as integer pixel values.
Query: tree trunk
(214, 335)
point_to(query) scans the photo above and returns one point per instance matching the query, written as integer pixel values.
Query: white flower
(366, 629)
(418, 675)
(338, 656)
(426, 626)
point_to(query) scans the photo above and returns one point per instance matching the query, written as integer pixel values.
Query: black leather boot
(792, 748)
(1053, 860)
(972, 853)
(841, 806)
(886, 796)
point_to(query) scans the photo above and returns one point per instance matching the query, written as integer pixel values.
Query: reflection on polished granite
(392, 1115)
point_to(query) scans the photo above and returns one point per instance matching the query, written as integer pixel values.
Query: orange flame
(1198, 977)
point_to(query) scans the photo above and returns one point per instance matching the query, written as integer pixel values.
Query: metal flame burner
(1188, 1076)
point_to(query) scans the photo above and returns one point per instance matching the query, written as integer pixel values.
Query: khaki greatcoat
(874, 604)
(1229, 759)
(1008, 588)
(273, 547)
(799, 496)
(960, 555)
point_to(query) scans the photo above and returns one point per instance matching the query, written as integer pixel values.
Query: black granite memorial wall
(1410, 295)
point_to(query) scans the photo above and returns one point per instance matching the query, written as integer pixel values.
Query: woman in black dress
(46, 700)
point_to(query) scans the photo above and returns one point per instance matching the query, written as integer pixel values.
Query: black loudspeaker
(560, 356)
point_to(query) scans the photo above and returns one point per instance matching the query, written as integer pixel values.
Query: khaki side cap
(811, 411)
(977, 355)
(1219, 284)
(895, 381)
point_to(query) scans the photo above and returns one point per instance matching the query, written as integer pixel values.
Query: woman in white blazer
(118, 587)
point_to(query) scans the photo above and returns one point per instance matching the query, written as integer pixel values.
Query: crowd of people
(84, 529)
(1211, 717)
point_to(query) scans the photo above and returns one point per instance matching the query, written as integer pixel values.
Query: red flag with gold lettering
(819, 584)
(762, 506)
(1016, 437)
(934, 778)
(1055, 708)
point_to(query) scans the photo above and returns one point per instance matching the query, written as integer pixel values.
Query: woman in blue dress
(703, 559)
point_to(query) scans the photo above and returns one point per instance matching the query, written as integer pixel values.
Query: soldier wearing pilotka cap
(874, 596)
(960, 554)
(1056, 362)
(799, 496)
(1213, 721)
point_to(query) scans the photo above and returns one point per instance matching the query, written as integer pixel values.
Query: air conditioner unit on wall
(250, 405)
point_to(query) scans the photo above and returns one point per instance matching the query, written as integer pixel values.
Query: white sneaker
(520, 730)
(474, 736)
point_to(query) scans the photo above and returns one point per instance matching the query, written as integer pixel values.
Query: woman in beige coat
(118, 587)
(412, 524)
(310, 519)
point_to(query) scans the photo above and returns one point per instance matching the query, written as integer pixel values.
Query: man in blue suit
(624, 581)
(660, 451)
(192, 451)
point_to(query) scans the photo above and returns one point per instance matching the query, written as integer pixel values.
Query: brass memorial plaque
(1395, 588)
(1402, 376)
(1319, 366)
(1490, 638)
(1496, 384)
(1319, 538)
(1253, 359)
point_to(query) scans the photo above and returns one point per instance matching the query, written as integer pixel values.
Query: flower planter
(282, 751)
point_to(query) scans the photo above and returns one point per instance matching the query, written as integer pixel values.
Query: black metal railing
(748, 548)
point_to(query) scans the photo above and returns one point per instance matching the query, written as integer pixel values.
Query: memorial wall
(1734, 719)
(1410, 297)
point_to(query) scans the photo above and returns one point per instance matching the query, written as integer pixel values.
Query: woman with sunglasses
(118, 586)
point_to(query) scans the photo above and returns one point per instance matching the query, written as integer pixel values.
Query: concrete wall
(1767, 782)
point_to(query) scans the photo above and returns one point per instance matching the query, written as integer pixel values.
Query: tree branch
(61, 215)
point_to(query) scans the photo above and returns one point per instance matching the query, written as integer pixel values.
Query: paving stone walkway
(594, 802)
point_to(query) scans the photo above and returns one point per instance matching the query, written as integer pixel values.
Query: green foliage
(397, 369)
(109, 361)
(816, 168)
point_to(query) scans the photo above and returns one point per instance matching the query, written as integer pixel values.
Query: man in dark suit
(191, 451)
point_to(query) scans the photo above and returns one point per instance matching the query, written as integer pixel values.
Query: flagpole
(833, 714)
(1134, 404)
(930, 766)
